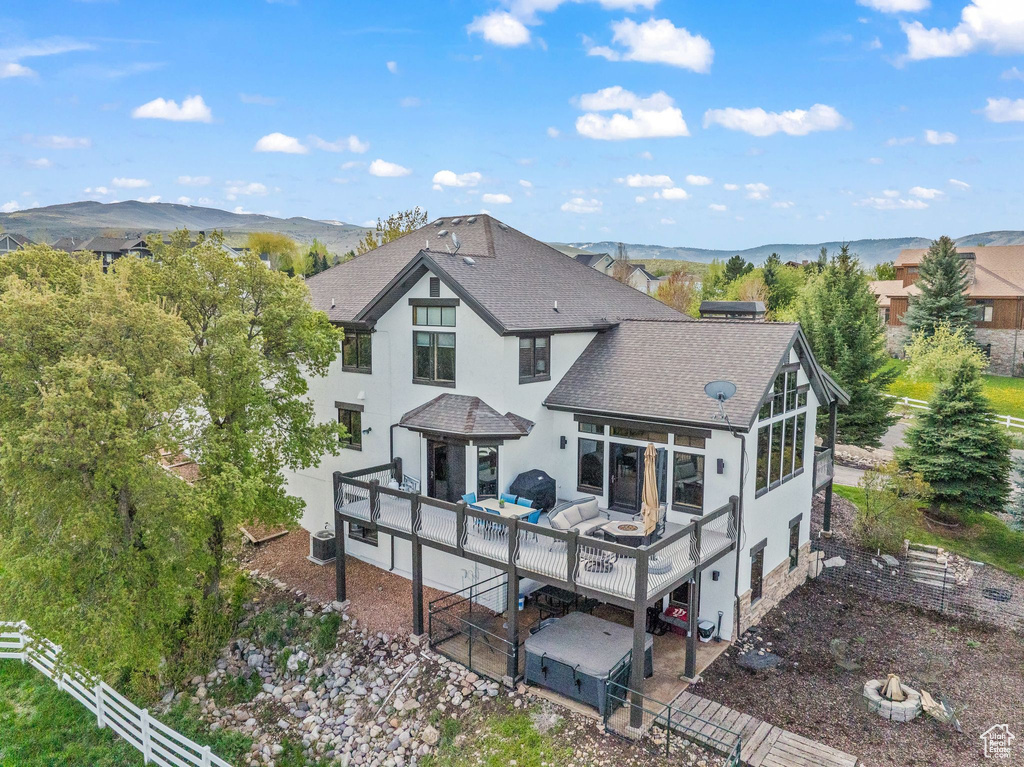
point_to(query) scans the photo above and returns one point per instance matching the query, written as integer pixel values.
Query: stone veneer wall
(777, 584)
(896, 337)
(1003, 355)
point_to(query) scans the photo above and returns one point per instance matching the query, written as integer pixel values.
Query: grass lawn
(503, 740)
(983, 538)
(40, 726)
(1005, 394)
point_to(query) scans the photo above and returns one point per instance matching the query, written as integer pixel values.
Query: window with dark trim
(982, 310)
(757, 572)
(682, 440)
(640, 435)
(794, 542)
(362, 534)
(591, 428)
(687, 482)
(352, 420)
(590, 475)
(443, 316)
(798, 442)
(433, 358)
(487, 471)
(781, 438)
(356, 350)
(534, 359)
(763, 452)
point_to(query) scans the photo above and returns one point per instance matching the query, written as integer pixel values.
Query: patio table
(510, 510)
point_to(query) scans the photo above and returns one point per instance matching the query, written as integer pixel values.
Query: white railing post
(146, 751)
(207, 761)
(100, 718)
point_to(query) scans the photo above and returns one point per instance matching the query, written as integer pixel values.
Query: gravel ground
(976, 668)
(380, 600)
(843, 513)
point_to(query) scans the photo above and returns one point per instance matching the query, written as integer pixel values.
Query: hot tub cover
(591, 645)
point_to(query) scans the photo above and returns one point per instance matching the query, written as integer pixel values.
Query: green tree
(884, 270)
(98, 543)
(737, 267)
(391, 228)
(318, 259)
(942, 298)
(282, 251)
(254, 338)
(931, 358)
(840, 318)
(714, 283)
(956, 446)
(892, 499)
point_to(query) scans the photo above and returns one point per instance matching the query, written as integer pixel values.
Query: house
(108, 249)
(475, 355)
(995, 288)
(11, 242)
(637, 276)
(603, 262)
(732, 310)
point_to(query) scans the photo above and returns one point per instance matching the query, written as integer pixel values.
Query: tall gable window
(433, 358)
(781, 432)
(351, 417)
(356, 350)
(534, 359)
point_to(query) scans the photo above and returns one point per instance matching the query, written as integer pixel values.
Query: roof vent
(442, 233)
(332, 303)
(469, 260)
(471, 220)
(556, 306)
(439, 222)
(456, 221)
(503, 227)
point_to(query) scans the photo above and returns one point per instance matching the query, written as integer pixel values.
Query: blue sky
(709, 124)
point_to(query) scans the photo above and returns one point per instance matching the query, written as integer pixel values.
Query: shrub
(891, 507)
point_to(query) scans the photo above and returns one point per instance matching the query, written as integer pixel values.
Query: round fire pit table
(625, 532)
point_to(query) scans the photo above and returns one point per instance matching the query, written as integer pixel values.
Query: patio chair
(534, 517)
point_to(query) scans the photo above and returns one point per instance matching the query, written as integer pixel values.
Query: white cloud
(993, 25)
(14, 69)
(385, 169)
(695, 180)
(10, 207)
(553, 132)
(875, 44)
(730, 187)
(129, 183)
(97, 190)
(184, 200)
(1005, 110)
(658, 41)
(795, 122)
(644, 180)
(451, 178)
(959, 184)
(349, 144)
(193, 109)
(249, 189)
(194, 180)
(876, 161)
(651, 117)
(495, 199)
(668, 221)
(891, 192)
(896, 6)
(410, 102)
(350, 164)
(525, 184)
(500, 28)
(41, 162)
(1012, 74)
(581, 205)
(900, 141)
(49, 46)
(57, 142)
(891, 203)
(937, 138)
(151, 198)
(717, 207)
(672, 193)
(255, 98)
(279, 142)
(757, 190)
(392, 67)
(926, 193)
(783, 204)
(640, 199)
(645, 156)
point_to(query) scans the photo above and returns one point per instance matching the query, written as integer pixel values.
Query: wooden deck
(763, 745)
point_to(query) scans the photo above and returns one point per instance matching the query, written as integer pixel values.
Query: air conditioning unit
(322, 547)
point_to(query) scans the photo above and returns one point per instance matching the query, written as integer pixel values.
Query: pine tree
(737, 267)
(840, 318)
(956, 446)
(942, 282)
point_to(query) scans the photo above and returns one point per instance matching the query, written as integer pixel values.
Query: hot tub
(575, 655)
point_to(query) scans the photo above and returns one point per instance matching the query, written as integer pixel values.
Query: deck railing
(611, 571)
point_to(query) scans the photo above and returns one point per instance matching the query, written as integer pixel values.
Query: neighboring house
(108, 249)
(995, 287)
(732, 310)
(463, 368)
(11, 242)
(638, 278)
(600, 261)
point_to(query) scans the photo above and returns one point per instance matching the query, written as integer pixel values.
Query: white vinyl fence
(158, 743)
(1009, 421)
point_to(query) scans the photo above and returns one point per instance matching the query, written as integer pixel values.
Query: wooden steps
(762, 744)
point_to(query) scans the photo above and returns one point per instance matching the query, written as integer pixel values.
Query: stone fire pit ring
(893, 710)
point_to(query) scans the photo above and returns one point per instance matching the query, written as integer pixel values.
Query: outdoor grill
(575, 655)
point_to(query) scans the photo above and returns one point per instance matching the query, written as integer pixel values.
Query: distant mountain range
(84, 219)
(869, 251)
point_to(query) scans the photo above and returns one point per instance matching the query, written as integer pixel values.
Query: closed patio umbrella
(650, 507)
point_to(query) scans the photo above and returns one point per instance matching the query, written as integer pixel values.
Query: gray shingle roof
(658, 370)
(465, 416)
(514, 280)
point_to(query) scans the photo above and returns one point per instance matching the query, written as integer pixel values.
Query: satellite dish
(720, 391)
(455, 241)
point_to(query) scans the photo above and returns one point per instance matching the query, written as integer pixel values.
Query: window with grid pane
(355, 352)
(534, 359)
(434, 357)
(443, 316)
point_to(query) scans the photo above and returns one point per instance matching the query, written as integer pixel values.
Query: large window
(757, 571)
(434, 358)
(487, 471)
(534, 359)
(794, 542)
(440, 316)
(590, 477)
(352, 420)
(798, 442)
(355, 352)
(781, 434)
(687, 482)
(763, 453)
(982, 310)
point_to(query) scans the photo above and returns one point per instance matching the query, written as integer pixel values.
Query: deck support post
(339, 558)
(512, 605)
(417, 565)
(827, 521)
(691, 629)
(638, 659)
